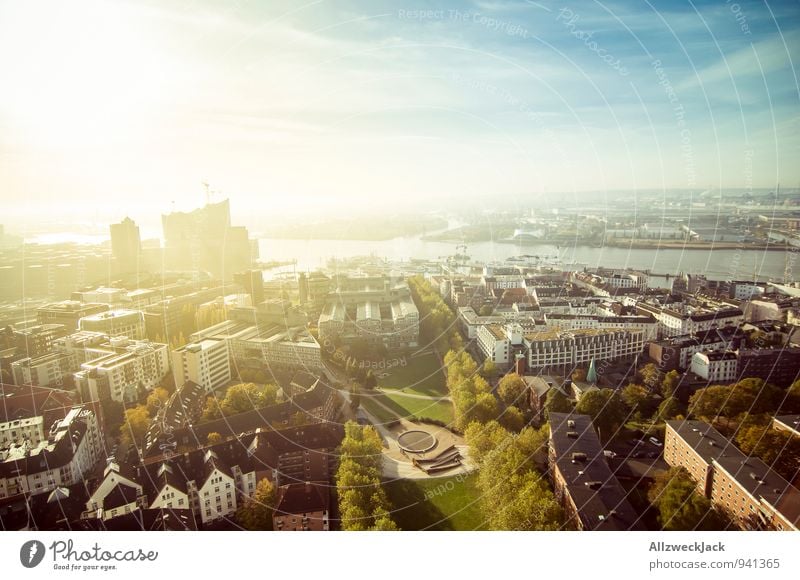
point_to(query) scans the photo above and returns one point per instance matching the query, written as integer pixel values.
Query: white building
(497, 342)
(118, 322)
(217, 493)
(555, 347)
(18, 431)
(122, 374)
(206, 363)
(715, 367)
(49, 370)
(72, 448)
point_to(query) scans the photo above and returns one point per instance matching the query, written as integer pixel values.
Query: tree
(512, 390)
(363, 504)
(135, 425)
(211, 411)
(483, 438)
(747, 397)
(606, 408)
(514, 496)
(513, 419)
(112, 413)
(670, 408)
(778, 449)
(670, 383)
(636, 398)
(256, 512)
(213, 438)
(556, 402)
(680, 507)
(649, 375)
(489, 369)
(156, 399)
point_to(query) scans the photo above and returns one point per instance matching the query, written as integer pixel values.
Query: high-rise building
(253, 283)
(206, 363)
(126, 245)
(204, 240)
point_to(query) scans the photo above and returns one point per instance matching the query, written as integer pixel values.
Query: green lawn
(400, 407)
(442, 503)
(422, 375)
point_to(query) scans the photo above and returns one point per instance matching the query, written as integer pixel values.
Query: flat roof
(600, 500)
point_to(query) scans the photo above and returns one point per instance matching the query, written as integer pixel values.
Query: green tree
(363, 504)
(489, 369)
(512, 419)
(669, 409)
(556, 402)
(256, 512)
(649, 375)
(213, 438)
(483, 438)
(606, 408)
(157, 398)
(679, 506)
(211, 410)
(637, 399)
(670, 383)
(512, 390)
(135, 425)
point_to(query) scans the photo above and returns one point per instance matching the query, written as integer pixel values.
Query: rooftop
(600, 500)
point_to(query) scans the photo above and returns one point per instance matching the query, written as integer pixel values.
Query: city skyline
(325, 106)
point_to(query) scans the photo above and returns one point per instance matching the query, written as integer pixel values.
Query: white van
(655, 441)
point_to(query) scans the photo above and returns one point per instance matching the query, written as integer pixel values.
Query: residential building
(37, 340)
(675, 353)
(206, 363)
(68, 313)
(129, 323)
(500, 343)
(716, 367)
(126, 245)
(268, 344)
(779, 366)
(302, 507)
(753, 495)
(125, 373)
(73, 446)
(29, 429)
(790, 423)
(556, 349)
(50, 370)
(583, 483)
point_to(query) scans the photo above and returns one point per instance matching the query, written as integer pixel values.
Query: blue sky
(319, 106)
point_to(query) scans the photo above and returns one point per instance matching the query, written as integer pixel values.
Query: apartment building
(592, 497)
(123, 374)
(73, 447)
(206, 363)
(50, 370)
(120, 322)
(752, 494)
(716, 367)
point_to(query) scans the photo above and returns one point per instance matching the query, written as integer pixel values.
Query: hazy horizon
(111, 109)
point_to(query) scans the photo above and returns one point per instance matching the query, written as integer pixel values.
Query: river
(716, 265)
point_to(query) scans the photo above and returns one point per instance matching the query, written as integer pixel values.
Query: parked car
(655, 442)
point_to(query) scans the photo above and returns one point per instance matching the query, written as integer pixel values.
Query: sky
(332, 107)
